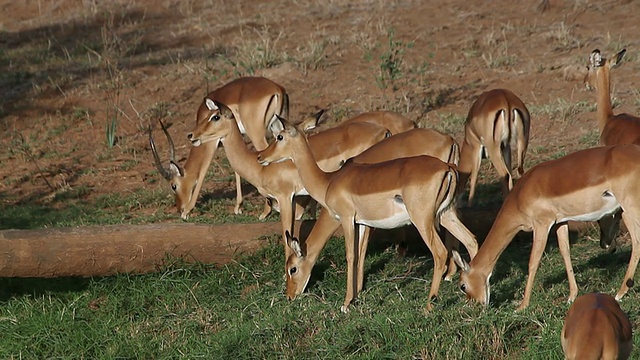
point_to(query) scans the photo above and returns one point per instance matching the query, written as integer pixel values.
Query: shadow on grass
(37, 287)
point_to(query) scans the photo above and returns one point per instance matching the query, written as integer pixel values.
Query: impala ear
(312, 122)
(211, 105)
(595, 59)
(617, 59)
(464, 266)
(275, 125)
(175, 169)
(294, 244)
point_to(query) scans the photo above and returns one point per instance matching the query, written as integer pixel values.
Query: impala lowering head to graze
(253, 101)
(603, 180)
(614, 129)
(596, 328)
(281, 181)
(411, 143)
(496, 119)
(390, 194)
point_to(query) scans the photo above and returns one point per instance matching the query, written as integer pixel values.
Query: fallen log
(109, 250)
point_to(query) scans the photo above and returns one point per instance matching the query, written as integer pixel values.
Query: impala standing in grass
(602, 181)
(253, 101)
(281, 181)
(387, 195)
(614, 129)
(411, 143)
(496, 119)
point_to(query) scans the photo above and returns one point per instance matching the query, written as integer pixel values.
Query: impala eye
(463, 287)
(214, 118)
(279, 137)
(174, 187)
(293, 270)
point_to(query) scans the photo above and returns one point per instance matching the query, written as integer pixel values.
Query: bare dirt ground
(69, 67)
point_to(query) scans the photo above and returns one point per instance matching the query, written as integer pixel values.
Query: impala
(418, 190)
(614, 129)
(253, 101)
(496, 119)
(396, 123)
(411, 143)
(596, 328)
(603, 180)
(281, 181)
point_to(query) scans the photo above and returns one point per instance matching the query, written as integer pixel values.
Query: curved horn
(164, 172)
(173, 148)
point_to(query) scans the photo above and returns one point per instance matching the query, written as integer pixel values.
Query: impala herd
(379, 170)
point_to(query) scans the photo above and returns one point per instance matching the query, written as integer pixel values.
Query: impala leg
(363, 240)
(286, 219)
(266, 210)
(209, 151)
(450, 220)
(439, 251)
(451, 243)
(562, 233)
(522, 141)
(634, 231)
(506, 156)
(348, 228)
(470, 158)
(237, 210)
(495, 155)
(539, 243)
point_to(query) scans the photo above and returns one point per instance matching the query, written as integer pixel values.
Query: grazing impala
(596, 328)
(614, 129)
(253, 101)
(496, 119)
(418, 190)
(411, 143)
(281, 181)
(603, 180)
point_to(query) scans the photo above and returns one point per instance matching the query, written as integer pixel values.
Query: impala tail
(454, 155)
(447, 192)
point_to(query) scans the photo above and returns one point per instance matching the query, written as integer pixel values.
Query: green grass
(238, 311)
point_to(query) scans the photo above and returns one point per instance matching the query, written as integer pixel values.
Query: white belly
(396, 220)
(610, 206)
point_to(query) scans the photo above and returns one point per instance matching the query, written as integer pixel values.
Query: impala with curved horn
(253, 101)
(281, 181)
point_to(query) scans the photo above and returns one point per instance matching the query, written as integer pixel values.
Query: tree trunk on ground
(108, 250)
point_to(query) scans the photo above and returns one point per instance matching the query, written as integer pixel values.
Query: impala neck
(603, 90)
(504, 229)
(242, 159)
(313, 178)
(195, 168)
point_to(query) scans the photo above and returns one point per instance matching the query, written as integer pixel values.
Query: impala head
(473, 283)
(597, 64)
(216, 126)
(175, 175)
(286, 136)
(297, 268)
